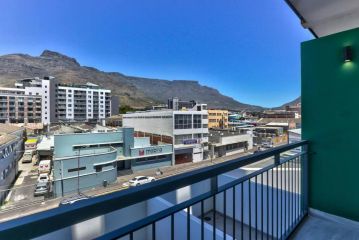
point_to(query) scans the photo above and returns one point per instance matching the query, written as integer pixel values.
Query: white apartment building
(87, 102)
(188, 129)
(36, 100)
(31, 101)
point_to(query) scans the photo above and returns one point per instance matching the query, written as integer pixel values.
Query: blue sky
(247, 49)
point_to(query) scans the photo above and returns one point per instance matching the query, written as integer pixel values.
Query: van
(44, 166)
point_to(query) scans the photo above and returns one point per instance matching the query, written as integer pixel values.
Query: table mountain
(136, 92)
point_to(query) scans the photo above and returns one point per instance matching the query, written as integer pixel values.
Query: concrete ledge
(333, 218)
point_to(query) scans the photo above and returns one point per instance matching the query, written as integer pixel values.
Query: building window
(45, 91)
(69, 95)
(69, 105)
(180, 139)
(77, 169)
(197, 121)
(183, 121)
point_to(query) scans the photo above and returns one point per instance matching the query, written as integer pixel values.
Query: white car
(139, 180)
(43, 177)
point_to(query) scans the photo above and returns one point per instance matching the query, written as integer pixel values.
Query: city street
(22, 202)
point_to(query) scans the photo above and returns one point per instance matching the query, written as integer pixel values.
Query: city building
(83, 102)
(217, 118)
(185, 128)
(86, 160)
(294, 135)
(229, 142)
(32, 101)
(11, 150)
(36, 100)
(270, 135)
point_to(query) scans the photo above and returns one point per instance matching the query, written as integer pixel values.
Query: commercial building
(36, 100)
(229, 142)
(217, 118)
(85, 160)
(11, 150)
(186, 128)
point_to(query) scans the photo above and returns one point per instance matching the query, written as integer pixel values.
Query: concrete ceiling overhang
(325, 17)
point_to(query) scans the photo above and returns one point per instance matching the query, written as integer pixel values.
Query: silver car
(42, 188)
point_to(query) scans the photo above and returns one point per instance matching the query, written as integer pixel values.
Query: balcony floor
(321, 229)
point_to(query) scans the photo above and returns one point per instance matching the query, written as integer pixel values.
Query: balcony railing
(268, 201)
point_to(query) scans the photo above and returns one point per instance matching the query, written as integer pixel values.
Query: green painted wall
(330, 115)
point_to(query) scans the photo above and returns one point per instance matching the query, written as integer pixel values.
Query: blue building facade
(86, 160)
(11, 150)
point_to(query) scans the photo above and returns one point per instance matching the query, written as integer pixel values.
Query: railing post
(277, 159)
(304, 176)
(214, 185)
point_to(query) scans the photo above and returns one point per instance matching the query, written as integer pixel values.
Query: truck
(44, 166)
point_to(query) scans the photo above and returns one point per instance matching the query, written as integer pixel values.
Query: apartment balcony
(263, 195)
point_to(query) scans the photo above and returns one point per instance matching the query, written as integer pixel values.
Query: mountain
(294, 102)
(136, 92)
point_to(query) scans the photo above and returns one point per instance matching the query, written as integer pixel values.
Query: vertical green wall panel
(330, 115)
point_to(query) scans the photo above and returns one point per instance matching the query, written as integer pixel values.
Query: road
(23, 203)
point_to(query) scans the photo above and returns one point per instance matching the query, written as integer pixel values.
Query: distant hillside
(294, 102)
(136, 92)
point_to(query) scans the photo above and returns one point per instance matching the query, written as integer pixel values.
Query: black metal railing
(259, 196)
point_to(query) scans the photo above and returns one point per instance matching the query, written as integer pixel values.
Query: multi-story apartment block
(217, 118)
(87, 102)
(186, 128)
(44, 100)
(31, 101)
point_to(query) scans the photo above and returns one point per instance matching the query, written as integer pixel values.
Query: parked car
(42, 188)
(44, 166)
(27, 157)
(43, 177)
(73, 199)
(139, 180)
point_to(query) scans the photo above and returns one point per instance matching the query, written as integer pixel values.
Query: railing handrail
(54, 219)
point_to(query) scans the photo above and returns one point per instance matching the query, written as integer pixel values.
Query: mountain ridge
(136, 92)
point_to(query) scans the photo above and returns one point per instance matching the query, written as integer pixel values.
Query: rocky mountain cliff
(136, 92)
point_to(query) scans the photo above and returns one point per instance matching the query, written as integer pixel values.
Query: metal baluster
(131, 235)
(154, 231)
(214, 216)
(256, 207)
(188, 224)
(277, 187)
(202, 221)
(262, 230)
(234, 211)
(285, 198)
(281, 202)
(292, 196)
(267, 205)
(249, 210)
(242, 225)
(272, 203)
(225, 214)
(172, 226)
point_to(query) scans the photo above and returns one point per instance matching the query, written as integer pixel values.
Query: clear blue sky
(247, 49)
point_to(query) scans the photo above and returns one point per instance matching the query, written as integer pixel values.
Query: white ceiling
(325, 17)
